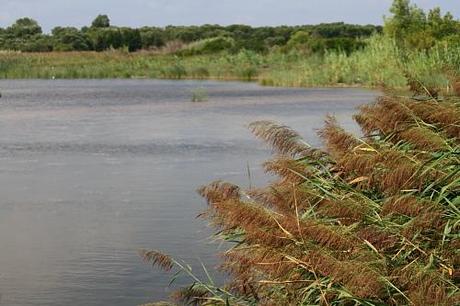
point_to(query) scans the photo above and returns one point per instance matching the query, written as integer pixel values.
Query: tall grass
(364, 221)
(380, 64)
(116, 64)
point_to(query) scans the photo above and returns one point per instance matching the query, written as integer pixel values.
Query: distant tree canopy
(409, 25)
(26, 35)
(24, 28)
(101, 21)
(70, 39)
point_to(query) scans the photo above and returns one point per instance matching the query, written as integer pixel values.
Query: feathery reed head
(373, 220)
(338, 142)
(282, 138)
(219, 191)
(192, 295)
(158, 259)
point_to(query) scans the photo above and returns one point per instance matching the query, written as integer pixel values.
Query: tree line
(26, 35)
(408, 24)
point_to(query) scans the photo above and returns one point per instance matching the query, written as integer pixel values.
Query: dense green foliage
(101, 21)
(409, 25)
(26, 35)
(414, 28)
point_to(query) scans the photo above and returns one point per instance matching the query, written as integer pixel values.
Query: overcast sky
(134, 13)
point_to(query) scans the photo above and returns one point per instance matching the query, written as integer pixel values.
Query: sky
(136, 13)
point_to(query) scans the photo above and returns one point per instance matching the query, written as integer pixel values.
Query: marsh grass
(116, 64)
(380, 64)
(363, 221)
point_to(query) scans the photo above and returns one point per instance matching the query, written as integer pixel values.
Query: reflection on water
(91, 171)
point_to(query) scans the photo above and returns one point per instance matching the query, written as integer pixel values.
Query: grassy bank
(380, 64)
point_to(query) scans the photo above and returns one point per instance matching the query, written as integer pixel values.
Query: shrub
(208, 46)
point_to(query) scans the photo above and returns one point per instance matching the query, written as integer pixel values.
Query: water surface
(91, 171)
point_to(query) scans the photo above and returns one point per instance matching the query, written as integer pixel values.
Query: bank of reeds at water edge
(381, 64)
(366, 221)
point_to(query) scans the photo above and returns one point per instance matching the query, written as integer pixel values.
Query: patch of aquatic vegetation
(200, 95)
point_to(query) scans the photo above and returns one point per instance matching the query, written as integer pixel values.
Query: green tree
(40, 43)
(101, 21)
(24, 27)
(131, 38)
(442, 26)
(300, 41)
(105, 38)
(152, 37)
(70, 39)
(406, 20)
(411, 27)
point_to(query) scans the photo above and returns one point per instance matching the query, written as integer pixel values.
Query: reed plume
(283, 139)
(364, 221)
(157, 258)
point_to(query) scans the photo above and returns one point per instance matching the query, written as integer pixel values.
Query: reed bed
(380, 64)
(117, 64)
(363, 221)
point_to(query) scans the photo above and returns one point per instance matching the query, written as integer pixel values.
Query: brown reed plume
(157, 258)
(338, 142)
(290, 170)
(285, 198)
(407, 205)
(423, 138)
(283, 139)
(366, 221)
(361, 279)
(191, 295)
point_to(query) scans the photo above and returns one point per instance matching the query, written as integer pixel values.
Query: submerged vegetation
(366, 221)
(200, 95)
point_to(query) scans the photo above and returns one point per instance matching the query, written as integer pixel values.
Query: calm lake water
(91, 171)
